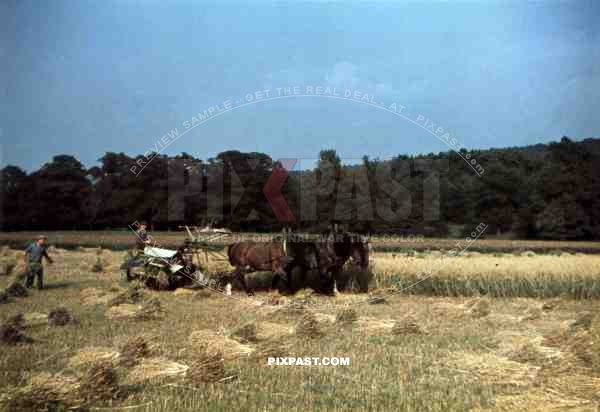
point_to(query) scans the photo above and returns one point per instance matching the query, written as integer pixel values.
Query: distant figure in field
(142, 239)
(33, 259)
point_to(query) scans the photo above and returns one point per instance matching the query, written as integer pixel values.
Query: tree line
(544, 191)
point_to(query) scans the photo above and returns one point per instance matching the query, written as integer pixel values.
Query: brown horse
(281, 258)
(336, 248)
(304, 271)
(257, 256)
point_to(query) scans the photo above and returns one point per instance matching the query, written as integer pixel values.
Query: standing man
(33, 259)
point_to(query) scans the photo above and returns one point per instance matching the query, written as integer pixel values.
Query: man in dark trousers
(33, 259)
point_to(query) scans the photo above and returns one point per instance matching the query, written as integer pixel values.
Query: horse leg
(275, 282)
(281, 282)
(327, 282)
(335, 277)
(335, 289)
(239, 275)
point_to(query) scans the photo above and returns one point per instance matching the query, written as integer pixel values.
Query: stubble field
(123, 239)
(439, 333)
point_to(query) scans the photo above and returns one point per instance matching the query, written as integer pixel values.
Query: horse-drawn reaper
(163, 269)
(168, 269)
(295, 261)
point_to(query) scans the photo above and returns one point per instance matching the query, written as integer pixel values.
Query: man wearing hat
(33, 258)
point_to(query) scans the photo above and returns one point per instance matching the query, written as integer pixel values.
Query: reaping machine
(168, 269)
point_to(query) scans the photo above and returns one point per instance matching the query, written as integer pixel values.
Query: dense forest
(545, 191)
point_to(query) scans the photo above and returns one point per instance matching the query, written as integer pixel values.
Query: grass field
(500, 274)
(411, 352)
(119, 240)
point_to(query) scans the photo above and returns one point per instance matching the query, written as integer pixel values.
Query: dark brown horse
(335, 249)
(303, 271)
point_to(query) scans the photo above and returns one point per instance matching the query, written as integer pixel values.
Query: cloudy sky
(85, 78)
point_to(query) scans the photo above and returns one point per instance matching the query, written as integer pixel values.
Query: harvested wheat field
(484, 333)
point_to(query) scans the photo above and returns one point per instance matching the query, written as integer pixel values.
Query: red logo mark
(272, 190)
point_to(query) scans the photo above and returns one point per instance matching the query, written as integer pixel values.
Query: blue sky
(84, 78)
